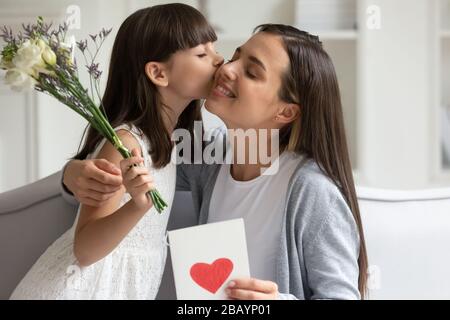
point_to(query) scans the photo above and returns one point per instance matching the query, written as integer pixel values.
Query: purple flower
(6, 35)
(82, 45)
(63, 27)
(93, 71)
(104, 33)
(28, 30)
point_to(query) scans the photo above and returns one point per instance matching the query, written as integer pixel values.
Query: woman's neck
(245, 172)
(248, 171)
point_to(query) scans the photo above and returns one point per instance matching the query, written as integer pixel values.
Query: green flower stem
(96, 110)
(105, 129)
(160, 198)
(76, 93)
(55, 94)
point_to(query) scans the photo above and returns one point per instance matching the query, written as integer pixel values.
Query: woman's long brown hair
(319, 133)
(150, 34)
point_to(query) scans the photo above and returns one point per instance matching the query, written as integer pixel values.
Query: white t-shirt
(260, 202)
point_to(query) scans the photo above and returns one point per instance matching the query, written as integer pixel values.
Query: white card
(206, 257)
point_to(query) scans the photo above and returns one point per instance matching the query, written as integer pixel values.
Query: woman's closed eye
(202, 55)
(250, 75)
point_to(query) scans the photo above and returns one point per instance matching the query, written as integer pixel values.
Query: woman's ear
(288, 113)
(157, 73)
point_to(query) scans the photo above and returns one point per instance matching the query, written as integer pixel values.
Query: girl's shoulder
(129, 134)
(133, 131)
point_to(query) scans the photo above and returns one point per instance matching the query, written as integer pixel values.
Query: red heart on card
(211, 276)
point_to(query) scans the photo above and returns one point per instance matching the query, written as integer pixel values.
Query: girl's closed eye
(202, 55)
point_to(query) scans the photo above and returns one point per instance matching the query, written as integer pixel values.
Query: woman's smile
(222, 90)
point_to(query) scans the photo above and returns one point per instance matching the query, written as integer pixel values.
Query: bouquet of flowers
(39, 58)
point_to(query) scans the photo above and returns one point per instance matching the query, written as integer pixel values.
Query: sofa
(407, 236)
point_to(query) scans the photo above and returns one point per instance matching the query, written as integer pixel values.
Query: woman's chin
(207, 105)
(211, 107)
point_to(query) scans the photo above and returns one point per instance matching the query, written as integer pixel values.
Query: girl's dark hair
(150, 34)
(311, 82)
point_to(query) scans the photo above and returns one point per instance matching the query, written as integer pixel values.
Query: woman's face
(192, 70)
(245, 90)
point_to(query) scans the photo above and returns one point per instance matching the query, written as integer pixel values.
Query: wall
(386, 77)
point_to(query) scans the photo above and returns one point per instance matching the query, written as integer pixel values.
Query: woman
(307, 213)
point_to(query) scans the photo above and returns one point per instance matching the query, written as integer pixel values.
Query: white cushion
(408, 242)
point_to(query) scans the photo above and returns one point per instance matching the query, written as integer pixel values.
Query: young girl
(163, 59)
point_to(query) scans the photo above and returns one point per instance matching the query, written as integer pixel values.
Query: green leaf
(8, 52)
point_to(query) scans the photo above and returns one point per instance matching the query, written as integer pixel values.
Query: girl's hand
(252, 289)
(137, 180)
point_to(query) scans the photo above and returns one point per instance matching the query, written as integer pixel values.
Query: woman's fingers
(95, 170)
(107, 166)
(242, 294)
(92, 180)
(252, 289)
(253, 284)
(91, 184)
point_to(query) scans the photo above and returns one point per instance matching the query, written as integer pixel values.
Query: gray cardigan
(319, 243)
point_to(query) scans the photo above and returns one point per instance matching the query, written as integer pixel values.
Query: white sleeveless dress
(133, 270)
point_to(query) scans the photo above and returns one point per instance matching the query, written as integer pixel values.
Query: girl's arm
(101, 229)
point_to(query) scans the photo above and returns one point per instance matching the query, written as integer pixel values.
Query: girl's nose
(218, 60)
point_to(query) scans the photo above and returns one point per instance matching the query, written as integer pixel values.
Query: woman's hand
(137, 180)
(252, 289)
(92, 182)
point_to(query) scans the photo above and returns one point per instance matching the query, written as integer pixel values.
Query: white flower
(41, 44)
(49, 56)
(29, 58)
(19, 80)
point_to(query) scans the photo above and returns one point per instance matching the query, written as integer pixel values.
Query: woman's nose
(227, 72)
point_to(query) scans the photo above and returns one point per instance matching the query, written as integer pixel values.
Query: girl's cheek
(210, 67)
